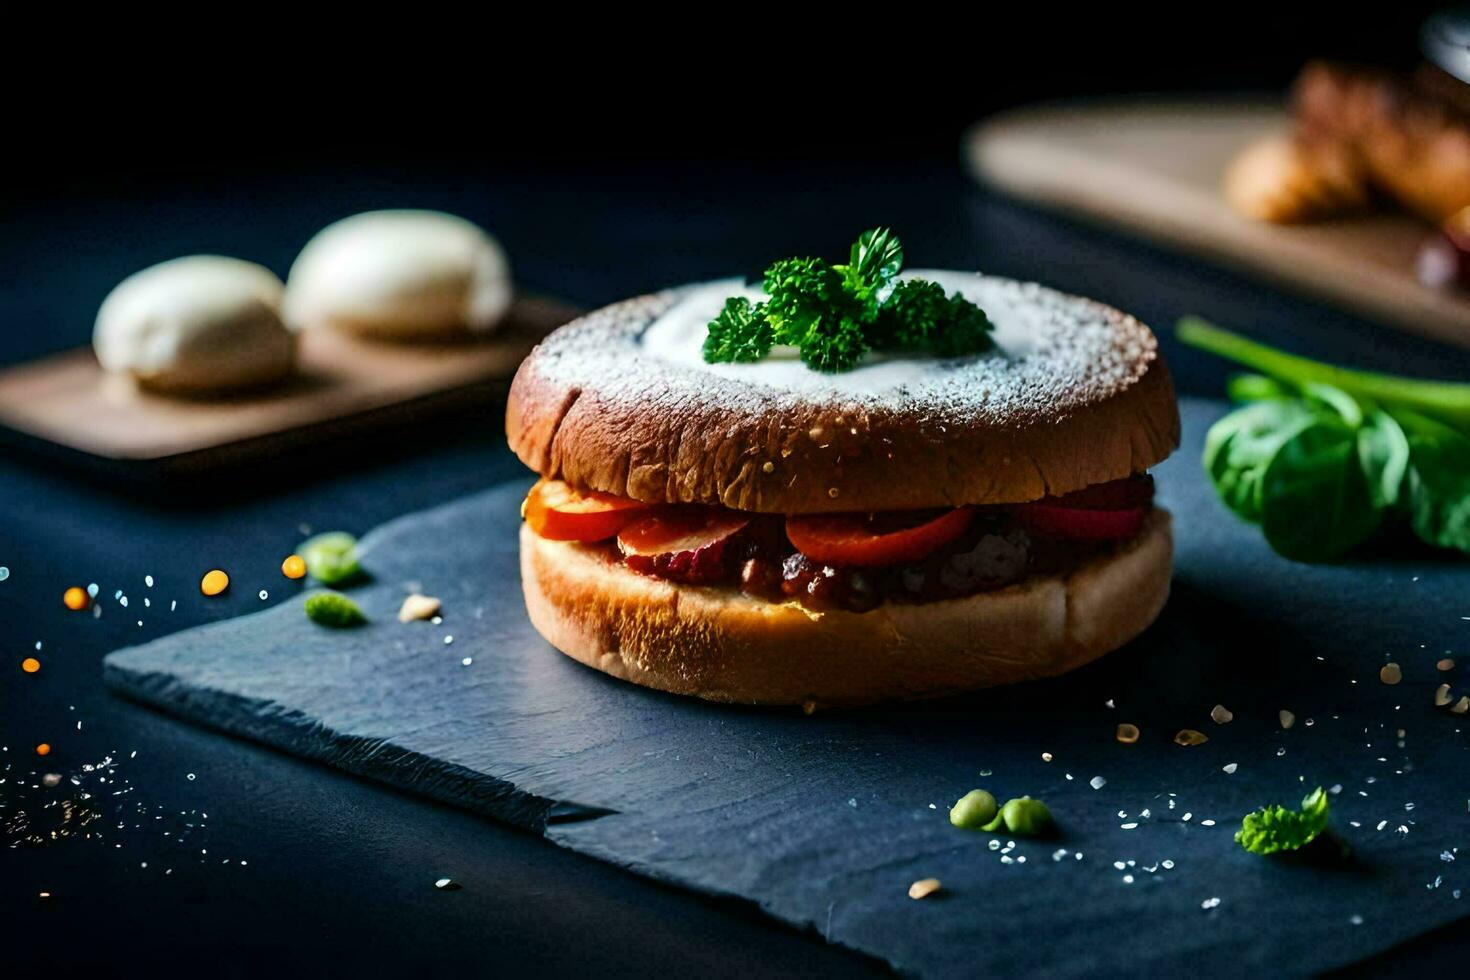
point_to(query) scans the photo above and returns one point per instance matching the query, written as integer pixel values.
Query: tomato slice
(683, 543)
(1104, 512)
(875, 539)
(675, 530)
(559, 512)
(1079, 524)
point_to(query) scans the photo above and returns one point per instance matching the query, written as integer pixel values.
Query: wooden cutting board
(1155, 169)
(344, 385)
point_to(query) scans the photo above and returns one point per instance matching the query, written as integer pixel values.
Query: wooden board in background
(1156, 168)
(68, 401)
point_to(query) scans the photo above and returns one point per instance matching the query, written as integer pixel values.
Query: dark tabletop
(296, 865)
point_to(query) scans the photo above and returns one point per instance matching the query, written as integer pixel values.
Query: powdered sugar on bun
(1074, 393)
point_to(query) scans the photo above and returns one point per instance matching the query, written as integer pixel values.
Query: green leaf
(801, 292)
(1446, 401)
(1239, 447)
(1275, 828)
(918, 315)
(1256, 388)
(1383, 453)
(876, 257)
(740, 333)
(832, 343)
(333, 609)
(331, 557)
(1315, 499)
(1437, 486)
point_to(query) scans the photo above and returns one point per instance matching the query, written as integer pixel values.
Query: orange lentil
(75, 599)
(30, 665)
(43, 749)
(294, 567)
(214, 582)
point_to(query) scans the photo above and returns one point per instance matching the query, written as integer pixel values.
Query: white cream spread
(677, 337)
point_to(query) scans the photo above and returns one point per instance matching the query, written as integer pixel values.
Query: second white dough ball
(400, 275)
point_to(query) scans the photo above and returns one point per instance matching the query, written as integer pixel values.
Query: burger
(845, 484)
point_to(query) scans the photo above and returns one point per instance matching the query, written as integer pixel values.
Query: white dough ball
(198, 324)
(400, 275)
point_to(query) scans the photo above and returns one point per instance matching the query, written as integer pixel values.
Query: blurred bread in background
(1284, 179)
(1406, 137)
(400, 275)
(200, 325)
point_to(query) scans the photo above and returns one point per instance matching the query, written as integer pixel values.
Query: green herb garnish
(1275, 828)
(331, 557)
(834, 314)
(973, 810)
(977, 810)
(1323, 457)
(334, 609)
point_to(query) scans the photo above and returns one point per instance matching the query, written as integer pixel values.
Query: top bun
(198, 325)
(1075, 393)
(400, 275)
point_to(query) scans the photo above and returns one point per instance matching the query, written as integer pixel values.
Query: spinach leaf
(1437, 489)
(1383, 453)
(1315, 498)
(1240, 446)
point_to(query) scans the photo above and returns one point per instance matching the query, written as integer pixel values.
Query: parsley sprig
(834, 314)
(1276, 828)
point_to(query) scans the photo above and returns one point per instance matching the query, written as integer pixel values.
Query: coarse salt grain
(1097, 782)
(1229, 768)
(1210, 903)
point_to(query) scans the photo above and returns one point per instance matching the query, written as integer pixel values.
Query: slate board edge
(382, 762)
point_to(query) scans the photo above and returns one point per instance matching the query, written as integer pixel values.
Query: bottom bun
(723, 645)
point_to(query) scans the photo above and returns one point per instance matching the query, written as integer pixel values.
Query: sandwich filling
(853, 561)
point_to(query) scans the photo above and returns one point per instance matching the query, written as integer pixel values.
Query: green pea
(331, 558)
(973, 810)
(1026, 816)
(334, 609)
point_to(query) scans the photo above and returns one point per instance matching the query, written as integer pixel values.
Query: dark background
(611, 162)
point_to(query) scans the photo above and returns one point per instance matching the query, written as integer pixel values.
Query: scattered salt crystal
(1356, 920)
(1046, 757)
(1097, 782)
(1207, 823)
(1229, 768)
(148, 581)
(446, 884)
(994, 845)
(191, 777)
(264, 595)
(1381, 824)
(1210, 903)
(467, 661)
(1187, 817)
(1129, 826)
(1167, 863)
(448, 640)
(1058, 854)
(92, 590)
(1127, 879)
(1119, 865)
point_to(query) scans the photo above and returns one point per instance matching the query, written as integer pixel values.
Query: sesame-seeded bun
(722, 645)
(1076, 393)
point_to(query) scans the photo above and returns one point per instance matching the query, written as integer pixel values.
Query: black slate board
(824, 821)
